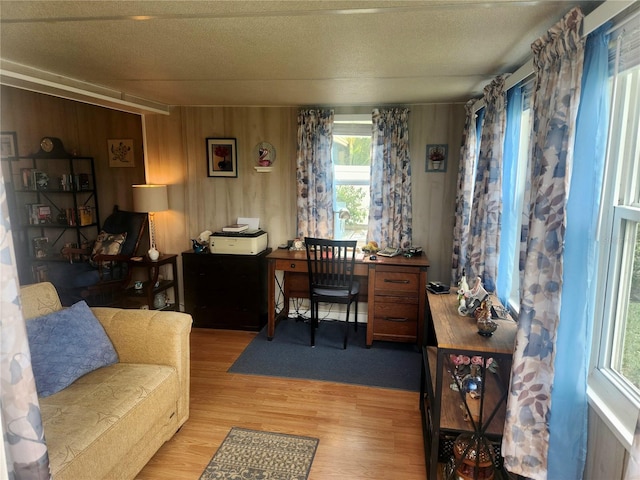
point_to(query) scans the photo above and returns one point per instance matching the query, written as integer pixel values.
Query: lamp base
(153, 254)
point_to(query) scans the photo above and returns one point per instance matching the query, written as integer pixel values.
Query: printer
(247, 242)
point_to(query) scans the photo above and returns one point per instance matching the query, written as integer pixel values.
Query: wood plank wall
(177, 156)
(82, 128)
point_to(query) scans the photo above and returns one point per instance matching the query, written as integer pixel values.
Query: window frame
(609, 393)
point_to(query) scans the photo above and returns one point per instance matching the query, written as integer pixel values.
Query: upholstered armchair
(102, 272)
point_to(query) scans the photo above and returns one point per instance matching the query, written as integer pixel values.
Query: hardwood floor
(365, 433)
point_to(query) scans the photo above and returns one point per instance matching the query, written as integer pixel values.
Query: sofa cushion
(66, 345)
(95, 423)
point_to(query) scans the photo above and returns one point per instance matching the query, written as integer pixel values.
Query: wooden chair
(101, 278)
(330, 264)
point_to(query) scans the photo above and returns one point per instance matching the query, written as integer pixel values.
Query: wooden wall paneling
(82, 128)
(606, 456)
(434, 192)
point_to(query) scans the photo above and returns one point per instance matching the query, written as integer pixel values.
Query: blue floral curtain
(24, 445)
(484, 225)
(314, 174)
(464, 195)
(558, 64)
(390, 213)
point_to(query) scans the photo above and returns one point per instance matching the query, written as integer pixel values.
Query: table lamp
(150, 199)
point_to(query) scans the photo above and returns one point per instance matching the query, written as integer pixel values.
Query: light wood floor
(365, 433)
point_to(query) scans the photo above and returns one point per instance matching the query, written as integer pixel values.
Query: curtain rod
(595, 19)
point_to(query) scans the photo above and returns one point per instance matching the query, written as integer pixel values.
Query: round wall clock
(265, 154)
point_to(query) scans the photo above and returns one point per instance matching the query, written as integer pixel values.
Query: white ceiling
(280, 53)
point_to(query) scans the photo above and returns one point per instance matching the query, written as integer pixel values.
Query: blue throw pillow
(65, 345)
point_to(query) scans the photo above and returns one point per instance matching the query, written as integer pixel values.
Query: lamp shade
(150, 198)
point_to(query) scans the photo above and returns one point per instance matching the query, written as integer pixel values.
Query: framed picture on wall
(121, 153)
(436, 158)
(8, 145)
(222, 157)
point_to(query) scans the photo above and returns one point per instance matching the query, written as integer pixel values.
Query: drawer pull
(293, 265)
(396, 319)
(389, 280)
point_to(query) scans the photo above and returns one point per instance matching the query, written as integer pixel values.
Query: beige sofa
(110, 422)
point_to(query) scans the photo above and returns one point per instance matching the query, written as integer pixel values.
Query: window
(523, 155)
(352, 172)
(614, 382)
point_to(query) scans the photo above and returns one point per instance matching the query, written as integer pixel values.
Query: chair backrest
(330, 263)
(133, 223)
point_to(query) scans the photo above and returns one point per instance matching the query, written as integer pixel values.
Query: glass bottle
(473, 389)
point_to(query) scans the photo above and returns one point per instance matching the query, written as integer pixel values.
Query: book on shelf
(39, 272)
(85, 217)
(236, 227)
(38, 213)
(40, 247)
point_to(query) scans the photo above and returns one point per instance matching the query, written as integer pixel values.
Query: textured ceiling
(276, 52)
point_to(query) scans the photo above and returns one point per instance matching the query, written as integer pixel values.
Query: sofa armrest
(155, 337)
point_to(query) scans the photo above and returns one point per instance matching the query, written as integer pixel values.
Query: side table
(151, 285)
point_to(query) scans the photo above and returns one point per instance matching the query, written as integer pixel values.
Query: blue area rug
(289, 354)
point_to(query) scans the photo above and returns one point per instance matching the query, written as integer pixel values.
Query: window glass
(352, 172)
(523, 155)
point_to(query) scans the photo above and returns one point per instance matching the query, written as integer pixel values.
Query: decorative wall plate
(265, 154)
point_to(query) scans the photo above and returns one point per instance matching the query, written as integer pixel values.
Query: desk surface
(420, 260)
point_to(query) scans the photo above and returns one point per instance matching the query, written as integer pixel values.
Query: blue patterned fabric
(558, 64)
(569, 408)
(464, 195)
(314, 174)
(484, 224)
(65, 345)
(25, 448)
(390, 211)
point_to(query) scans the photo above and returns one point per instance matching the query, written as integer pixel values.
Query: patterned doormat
(250, 454)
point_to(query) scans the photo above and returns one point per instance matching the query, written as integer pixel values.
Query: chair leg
(356, 322)
(312, 323)
(346, 328)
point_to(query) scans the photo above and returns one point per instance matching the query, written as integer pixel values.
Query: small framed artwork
(121, 153)
(222, 157)
(436, 158)
(8, 145)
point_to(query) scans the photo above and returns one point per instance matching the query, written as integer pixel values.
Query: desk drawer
(291, 265)
(392, 318)
(397, 282)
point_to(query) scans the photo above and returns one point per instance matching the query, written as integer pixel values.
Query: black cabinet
(226, 291)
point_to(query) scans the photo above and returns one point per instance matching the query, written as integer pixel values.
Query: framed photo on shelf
(8, 145)
(222, 157)
(436, 158)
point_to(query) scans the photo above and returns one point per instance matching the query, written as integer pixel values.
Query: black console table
(226, 291)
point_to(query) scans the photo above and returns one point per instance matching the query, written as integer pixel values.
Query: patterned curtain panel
(24, 445)
(314, 174)
(390, 213)
(468, 155)
(558, 64)
(484, 225)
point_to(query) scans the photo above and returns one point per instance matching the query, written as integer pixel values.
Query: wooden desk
(386, 284)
